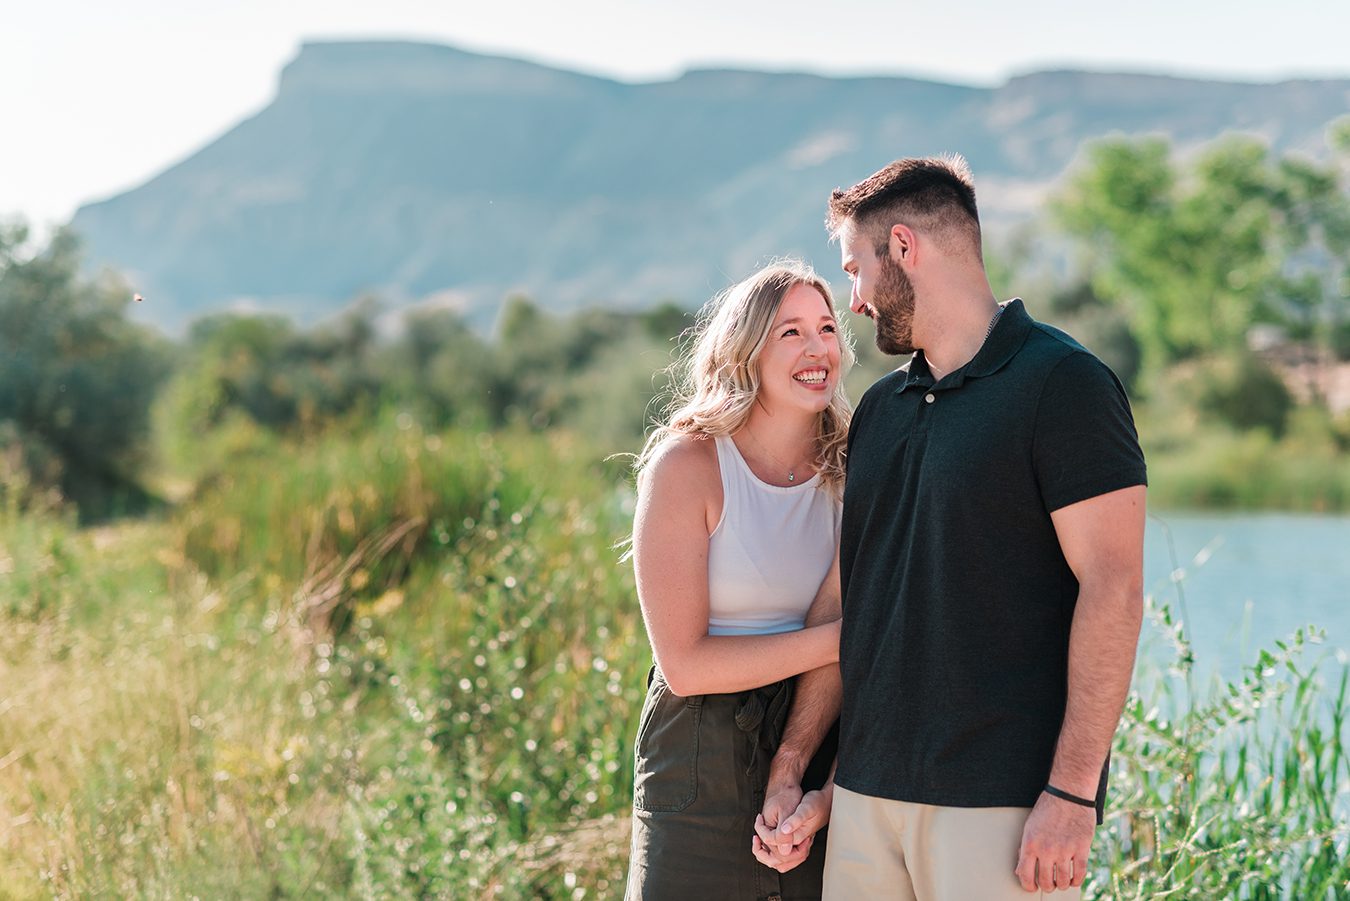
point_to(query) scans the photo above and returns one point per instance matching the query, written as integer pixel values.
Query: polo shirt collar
(1003, 343)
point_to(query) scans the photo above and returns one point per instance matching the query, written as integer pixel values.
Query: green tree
(1197, 254)
(439, 365)
(1162, 250)
(76, 376)
(1314, 210)
(281, 378)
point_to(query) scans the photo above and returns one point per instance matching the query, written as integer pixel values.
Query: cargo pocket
(665, 775)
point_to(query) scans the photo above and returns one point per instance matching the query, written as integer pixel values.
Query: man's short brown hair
(934, 194)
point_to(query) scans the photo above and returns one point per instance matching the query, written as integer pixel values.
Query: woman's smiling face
(799, 365)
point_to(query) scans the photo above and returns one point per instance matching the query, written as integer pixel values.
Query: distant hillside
(413, 170)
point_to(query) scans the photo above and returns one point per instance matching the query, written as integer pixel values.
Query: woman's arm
(670, 551)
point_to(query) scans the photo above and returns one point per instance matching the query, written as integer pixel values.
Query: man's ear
(901, 244)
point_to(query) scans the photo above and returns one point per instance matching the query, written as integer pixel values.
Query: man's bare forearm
(815, 707)
(1102, 646)
(815, 700)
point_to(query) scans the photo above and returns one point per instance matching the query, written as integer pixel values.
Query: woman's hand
(779, 862)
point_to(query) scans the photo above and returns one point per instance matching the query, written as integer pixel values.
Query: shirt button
(929, 398)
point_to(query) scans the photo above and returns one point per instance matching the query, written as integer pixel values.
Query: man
(991, 564)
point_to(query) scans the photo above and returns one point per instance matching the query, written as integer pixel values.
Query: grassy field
(408, 664)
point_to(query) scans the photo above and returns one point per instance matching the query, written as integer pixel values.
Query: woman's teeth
(811, 378)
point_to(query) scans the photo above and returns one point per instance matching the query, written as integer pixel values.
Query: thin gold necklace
(791, 470)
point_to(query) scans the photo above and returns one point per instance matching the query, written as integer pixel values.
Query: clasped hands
(787, 826)
(1053, 855)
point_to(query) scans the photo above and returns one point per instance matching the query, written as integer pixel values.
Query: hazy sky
(98, 97)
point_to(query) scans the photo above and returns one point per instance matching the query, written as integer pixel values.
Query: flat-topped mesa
(408, 67)
(408, 169)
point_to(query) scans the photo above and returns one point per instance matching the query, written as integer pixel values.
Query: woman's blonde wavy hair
(714, 386)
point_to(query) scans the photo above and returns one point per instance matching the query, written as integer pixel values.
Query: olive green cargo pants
(701, 766)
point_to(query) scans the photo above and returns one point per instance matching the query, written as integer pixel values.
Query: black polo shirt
(957, 597)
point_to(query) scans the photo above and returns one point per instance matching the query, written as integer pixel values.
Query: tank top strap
(733, 479)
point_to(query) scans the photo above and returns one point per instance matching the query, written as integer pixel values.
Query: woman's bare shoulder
(688, 461)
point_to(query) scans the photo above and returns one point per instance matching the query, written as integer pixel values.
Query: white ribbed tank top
(770, 550)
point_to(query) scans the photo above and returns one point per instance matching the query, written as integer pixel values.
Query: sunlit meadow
(409, 664)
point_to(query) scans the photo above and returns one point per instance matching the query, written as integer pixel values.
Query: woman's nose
(815, 346)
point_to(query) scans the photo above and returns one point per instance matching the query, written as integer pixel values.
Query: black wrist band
(1072, 799)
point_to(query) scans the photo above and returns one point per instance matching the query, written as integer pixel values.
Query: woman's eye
(791, 331)
(830, 328)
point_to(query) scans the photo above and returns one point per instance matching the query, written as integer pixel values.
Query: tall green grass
(408, 664)
(142, 731)
(400, 664)
(1235, 791)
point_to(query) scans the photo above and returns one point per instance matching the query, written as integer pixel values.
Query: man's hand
(1055, 845)
(780, 802)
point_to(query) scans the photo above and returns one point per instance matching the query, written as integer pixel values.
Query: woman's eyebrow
(796, 319)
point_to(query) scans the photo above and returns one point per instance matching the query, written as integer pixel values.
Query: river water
(1246, 580)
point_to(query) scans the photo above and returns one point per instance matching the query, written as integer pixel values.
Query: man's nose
(854, 301)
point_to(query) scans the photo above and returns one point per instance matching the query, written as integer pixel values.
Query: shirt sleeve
(1085, 442)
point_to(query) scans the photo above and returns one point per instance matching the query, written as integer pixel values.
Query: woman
(735, 535)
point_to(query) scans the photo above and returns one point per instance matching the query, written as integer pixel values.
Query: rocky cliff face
(411, 170)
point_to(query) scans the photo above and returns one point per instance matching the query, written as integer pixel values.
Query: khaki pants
(918, 852)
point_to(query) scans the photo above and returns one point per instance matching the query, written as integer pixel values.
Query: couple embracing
(910, 627)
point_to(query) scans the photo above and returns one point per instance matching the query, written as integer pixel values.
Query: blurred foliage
(76, 378)
(261, 369)
(1240, 391)
(1194, 466)
(595, 369)
(1196, 250)
(445, 715)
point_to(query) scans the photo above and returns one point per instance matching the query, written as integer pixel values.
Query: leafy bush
(1242, 392)
(76, 377)
(280, 378)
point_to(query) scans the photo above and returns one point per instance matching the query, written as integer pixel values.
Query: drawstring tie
(763, 707)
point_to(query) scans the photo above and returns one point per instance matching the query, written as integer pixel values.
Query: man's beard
(893, 306)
